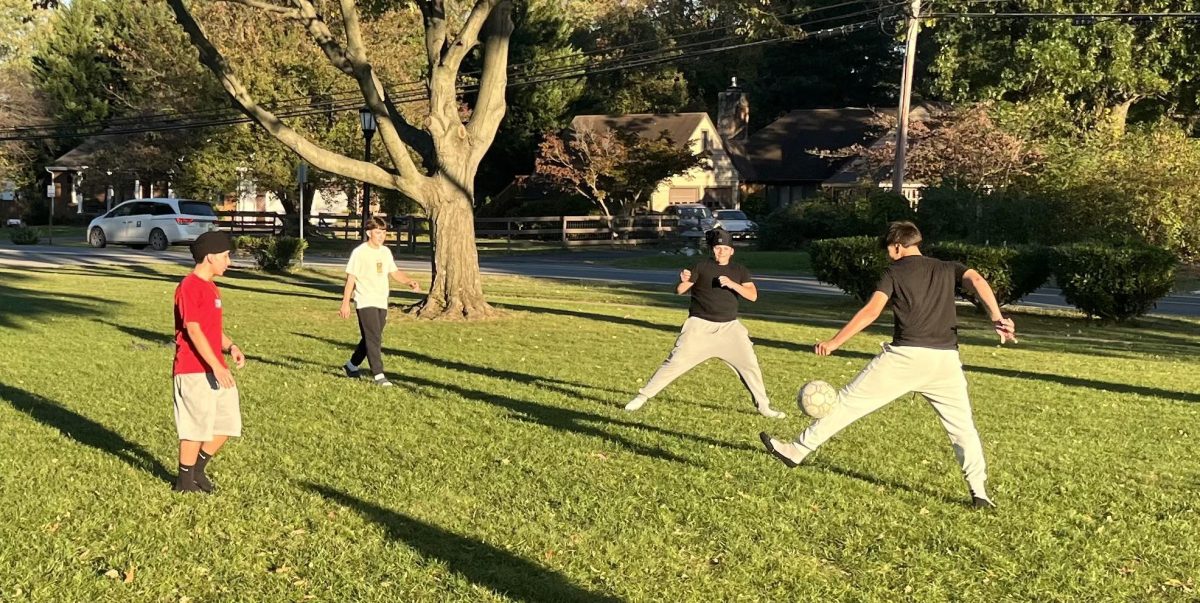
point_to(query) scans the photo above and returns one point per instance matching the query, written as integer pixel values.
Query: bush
(1012, 272)
(1113, 282)
(852, 264)
(796, 225)
(24, 236)
(273, 254)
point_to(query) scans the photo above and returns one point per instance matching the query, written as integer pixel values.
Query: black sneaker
(183, 484)
(203, 483)
(353, 374)
(982, 503)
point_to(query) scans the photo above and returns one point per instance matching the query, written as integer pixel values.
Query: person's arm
(227, 344)
(747, 290)
(347, 291)
(863, 319)
(400, 277)
(685, 282)
(200, 342)
(1005, 327)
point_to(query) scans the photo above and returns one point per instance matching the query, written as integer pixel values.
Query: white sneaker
(636, 403)
(771, 413)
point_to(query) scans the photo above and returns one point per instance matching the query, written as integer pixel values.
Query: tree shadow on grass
(83, 430)
(147, 336)
(17, 303)
(886, 483)
(547, 415)
(1123, 388)
(479, 562)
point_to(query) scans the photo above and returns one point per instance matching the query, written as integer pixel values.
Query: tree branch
(434, 13)
(490, 104)
(468, 36)
(394, 130)
(286, 12)
(319, 157)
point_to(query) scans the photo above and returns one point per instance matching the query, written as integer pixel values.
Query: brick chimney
(733, 114)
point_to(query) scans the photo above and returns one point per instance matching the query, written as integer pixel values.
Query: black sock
(186, 481)
(201, 479)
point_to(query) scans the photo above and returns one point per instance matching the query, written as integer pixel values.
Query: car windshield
(694, 212)
(731, 214)
(196, 208)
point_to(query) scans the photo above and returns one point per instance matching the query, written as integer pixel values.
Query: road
(569, 267)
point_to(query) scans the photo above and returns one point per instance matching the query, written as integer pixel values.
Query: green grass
(759, 262)
(503, 467)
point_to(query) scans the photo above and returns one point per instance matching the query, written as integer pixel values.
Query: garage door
(683, 195)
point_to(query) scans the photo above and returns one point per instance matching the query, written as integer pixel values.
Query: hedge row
(1111, 282)
(273, 254)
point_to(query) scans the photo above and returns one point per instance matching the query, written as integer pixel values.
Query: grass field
(503, 467)
(758, 262)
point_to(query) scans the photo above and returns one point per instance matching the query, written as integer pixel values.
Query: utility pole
(910, 56)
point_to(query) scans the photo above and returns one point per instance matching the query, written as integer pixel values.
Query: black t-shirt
(922, 294)
(710, 300)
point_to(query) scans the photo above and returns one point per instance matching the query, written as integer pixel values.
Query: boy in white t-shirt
(367, 275)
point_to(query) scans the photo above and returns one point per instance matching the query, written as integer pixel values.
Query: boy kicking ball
(712, 329)
(923, 356)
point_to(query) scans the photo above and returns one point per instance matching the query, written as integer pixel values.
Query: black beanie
(213, 241)
(718, 236)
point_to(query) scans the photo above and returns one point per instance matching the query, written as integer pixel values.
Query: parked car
(158, 223)
(694, 219)
(736, 223)
(14, 223)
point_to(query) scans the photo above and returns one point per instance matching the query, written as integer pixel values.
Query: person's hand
(1006, 329)
(685, 275)
(224, 377)
(238, 357)
(725, 281)
(345, 311)
(825, 348)
(414, 285)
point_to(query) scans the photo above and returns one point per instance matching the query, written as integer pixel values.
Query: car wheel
(96, 238)
(158, 240)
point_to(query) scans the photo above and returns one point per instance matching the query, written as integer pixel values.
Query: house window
(705, 141)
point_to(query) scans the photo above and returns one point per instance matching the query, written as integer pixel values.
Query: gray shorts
(204, 409)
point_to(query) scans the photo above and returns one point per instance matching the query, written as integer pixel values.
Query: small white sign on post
(50, 190)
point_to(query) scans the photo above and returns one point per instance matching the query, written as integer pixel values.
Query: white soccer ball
(817, 398)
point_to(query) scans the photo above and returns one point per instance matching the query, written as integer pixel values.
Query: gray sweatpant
(935, 374)
(702, 339)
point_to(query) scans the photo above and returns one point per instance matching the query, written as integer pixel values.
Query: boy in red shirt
(207, 412)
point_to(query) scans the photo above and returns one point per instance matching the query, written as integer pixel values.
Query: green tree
(1066, 77)
(74, 63)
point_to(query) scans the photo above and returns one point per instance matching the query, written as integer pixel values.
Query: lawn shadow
(886, 483)
(83, 430)
(480, 563)
(146, 335)
(17, 302)
(551, 416)
(1123, 388)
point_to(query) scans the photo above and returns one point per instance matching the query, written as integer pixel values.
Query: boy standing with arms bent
(712, 329)
(367, 273)
(922, 357)
(207, 410)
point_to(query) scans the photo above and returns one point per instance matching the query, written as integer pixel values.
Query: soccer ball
(816, 398)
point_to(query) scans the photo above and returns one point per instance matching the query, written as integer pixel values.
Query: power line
(1096, 15)
(553, 75)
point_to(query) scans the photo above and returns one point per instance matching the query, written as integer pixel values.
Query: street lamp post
(367, 120)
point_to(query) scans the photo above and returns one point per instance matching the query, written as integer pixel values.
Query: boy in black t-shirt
(712, 329)
(922, 357)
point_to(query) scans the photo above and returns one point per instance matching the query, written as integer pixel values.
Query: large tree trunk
(457, 289)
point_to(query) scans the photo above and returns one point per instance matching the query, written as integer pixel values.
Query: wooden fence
(410, 231)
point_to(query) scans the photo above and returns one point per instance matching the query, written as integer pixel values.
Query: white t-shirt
(371, 268)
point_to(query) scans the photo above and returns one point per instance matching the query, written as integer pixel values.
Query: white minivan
(158, 223)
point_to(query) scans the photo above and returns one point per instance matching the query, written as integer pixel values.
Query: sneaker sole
(766, 440)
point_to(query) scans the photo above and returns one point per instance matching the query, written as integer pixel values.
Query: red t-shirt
(198, 301)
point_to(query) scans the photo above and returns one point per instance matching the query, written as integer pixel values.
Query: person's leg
(887, 377)
(691, 348)
(947, 393)
(195, 410)
(226, 423)
(736, 349)
(360, 351)
(370, 320)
